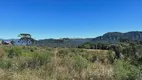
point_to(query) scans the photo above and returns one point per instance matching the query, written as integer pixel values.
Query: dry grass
(2, 52)
(36, 63)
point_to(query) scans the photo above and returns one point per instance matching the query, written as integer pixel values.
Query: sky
(68, 18)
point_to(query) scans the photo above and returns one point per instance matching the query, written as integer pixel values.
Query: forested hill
(114, 37)
(65, 42)
(110, 37)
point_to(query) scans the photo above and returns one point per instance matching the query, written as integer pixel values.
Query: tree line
(128, 48)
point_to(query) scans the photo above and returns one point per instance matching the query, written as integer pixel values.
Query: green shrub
(5, 64)
(89, 56)
(14, 52)
(62, 53)
(80, 63)
(110, 56)
(124, 70)
(44, 57)
(2, 52)
(37, 59)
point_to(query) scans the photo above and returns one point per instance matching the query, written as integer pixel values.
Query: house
(5, 42)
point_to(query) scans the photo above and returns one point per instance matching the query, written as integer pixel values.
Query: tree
(26, 38)
(86, 45)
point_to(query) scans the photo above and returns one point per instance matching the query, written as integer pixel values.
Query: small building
(2, 42)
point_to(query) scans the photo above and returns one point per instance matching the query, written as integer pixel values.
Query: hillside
(110, 37)
(106, 62)
(114, 37)
(65, 42)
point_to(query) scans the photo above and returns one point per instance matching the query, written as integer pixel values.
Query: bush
(5, 64)
(124, 70)
(111, 55)
(14, 52)
(80, 63)
(2, 52)
(62, 53)
(37, 59)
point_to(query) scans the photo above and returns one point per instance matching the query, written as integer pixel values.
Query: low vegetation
(43, 63)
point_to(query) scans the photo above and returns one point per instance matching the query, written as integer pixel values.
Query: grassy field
(43, 63)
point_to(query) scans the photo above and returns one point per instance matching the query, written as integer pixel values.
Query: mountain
(65, 42)
(110, 37)
(114, 37)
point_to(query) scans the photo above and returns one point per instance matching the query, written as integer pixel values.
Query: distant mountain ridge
(65, 42)
(114, 37)
(110, 37)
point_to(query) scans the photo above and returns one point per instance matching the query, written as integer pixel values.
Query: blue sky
(68, 18)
